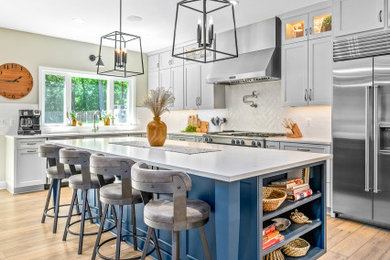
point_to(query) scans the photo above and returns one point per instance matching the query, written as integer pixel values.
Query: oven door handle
(367, 131)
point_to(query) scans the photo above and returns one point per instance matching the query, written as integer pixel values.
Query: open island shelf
(313, 207)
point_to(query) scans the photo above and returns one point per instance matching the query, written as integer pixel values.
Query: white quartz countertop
(76, 134)
(231, 163)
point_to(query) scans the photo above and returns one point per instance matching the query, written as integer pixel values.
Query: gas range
(239, 138)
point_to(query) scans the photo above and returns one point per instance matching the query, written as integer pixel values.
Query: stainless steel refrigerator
(361, 134)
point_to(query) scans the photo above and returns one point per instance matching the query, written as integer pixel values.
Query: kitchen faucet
(96, 127)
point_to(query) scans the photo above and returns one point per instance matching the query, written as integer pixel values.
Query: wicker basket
(296, 248)
(281, 224)
(272, 198)
(275, 255)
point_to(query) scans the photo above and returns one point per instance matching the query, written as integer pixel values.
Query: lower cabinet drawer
(29, 143)
(311, 148)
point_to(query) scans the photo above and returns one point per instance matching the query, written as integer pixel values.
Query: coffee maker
(29, 122)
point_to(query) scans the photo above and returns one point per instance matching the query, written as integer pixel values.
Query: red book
(272, 241)
(269, 230)
(300, 195)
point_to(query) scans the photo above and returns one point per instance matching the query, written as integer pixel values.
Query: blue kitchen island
(230, 179)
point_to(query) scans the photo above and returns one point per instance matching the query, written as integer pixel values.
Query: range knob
(210, 139)
(242, 142)
(253, 143)
(259, 144)
(206, 139)
(233, 141)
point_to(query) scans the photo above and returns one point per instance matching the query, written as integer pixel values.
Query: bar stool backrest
(164, 182)
(51, 153)
(72, 156)
(102, 165)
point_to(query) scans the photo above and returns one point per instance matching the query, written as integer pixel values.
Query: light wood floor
(22, 236)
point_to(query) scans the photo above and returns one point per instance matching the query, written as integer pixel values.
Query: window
(88, 95)
(64, 91)
(120, 101)
(54, 96)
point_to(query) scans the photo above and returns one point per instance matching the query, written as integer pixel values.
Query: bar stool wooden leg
(119, 233)
(134, 224)
(156, 244)
(57, 206)
(47, 201)
(99, 236)
(74, 197)
(204, 242)
(175, 245)
(84, 207)
(147, 241)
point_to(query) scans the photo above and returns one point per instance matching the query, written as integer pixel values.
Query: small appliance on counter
(29, 122)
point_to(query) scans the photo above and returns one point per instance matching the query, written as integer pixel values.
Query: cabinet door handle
(311, 30)
(305, 94)
(32, 151)
(310, 92)
(303, 149)
(31, 143)
(380, 15)
(306, 31)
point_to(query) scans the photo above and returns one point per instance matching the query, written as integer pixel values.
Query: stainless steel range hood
(259, 56)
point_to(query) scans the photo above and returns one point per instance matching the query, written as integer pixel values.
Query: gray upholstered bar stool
(82, 182)
(56, 172)
(118, 194)
(177, 214)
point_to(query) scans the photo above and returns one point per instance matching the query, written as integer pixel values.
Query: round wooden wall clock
(15, 81)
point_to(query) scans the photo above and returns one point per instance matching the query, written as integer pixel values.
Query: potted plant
(158, 102)
(73, 118)
(107, 119)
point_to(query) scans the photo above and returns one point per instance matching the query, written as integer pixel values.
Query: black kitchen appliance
(29, 122)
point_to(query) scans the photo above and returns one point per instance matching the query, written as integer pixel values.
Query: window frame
(69, 74)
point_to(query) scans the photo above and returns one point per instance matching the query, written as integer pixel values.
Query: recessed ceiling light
(78, 20)
(134, 18)
(234, 2)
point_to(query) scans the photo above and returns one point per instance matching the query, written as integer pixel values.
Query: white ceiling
(54, 17)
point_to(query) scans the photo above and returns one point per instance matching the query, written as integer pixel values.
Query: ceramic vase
(157, 132)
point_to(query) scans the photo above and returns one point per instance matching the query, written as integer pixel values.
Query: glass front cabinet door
(295, 29)
(320, 23)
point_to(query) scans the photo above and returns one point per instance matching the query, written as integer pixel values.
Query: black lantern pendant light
(120, 42)
(201, 37)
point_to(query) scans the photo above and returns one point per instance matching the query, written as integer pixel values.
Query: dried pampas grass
(159, 101)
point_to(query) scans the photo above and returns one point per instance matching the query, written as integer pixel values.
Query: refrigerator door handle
(376, 139)
(367, 142)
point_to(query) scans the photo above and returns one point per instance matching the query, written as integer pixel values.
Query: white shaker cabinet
(153, 79)
(320, 71)
(154, 62)
(354, 16)
(167, 61)
(172, 79)
(25, 170)
(295, 73)
(192, 86)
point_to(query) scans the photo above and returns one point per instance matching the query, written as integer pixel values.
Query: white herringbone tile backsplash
(314, 121)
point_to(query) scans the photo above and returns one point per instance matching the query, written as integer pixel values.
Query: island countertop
(229, 163)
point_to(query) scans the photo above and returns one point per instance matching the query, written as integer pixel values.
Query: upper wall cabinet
(167, 61)
(307, 58)
(153, 62)
(307, 26)
(295, 29)
(354, 16)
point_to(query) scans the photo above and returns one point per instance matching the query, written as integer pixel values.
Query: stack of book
(296, 189)
(271, 237)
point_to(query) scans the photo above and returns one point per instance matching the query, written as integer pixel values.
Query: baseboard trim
(3, 185)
